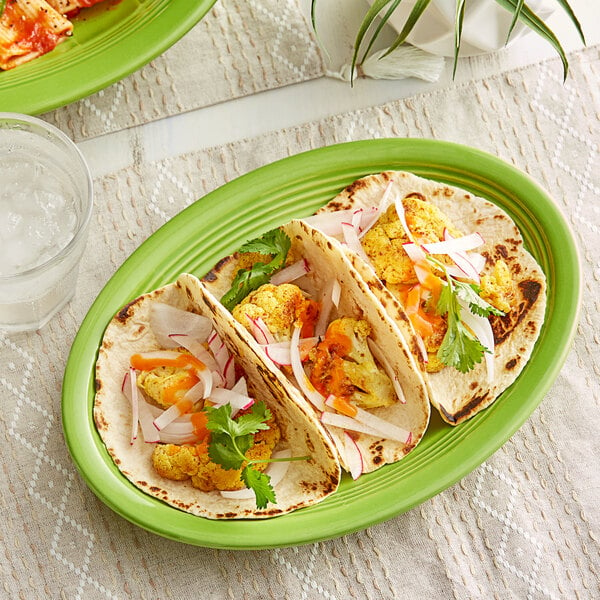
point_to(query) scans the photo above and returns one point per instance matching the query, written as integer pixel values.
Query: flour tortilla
(306, 482)
(459, 396)
(356, 301)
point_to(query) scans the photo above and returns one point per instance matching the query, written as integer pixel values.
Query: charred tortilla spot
(377, 460)
(416, 195)
(501, 250)
(531, 290)
(125, 313)
(511, 364)
(502, 327)
(474, 385)
(470, 408)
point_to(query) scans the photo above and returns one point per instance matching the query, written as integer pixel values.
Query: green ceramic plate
(269, 196)
(110, 40)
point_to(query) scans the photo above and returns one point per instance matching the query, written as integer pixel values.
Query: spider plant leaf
(458, 27)
(564, 4)
(515, 19)
(371, 15)
(531, 20)
(411, 21)
(382, 23)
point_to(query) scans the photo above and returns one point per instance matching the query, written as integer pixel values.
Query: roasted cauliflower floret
(343, 365)
(498, 288)
(281, 307)
(164, 385)
(181, 463)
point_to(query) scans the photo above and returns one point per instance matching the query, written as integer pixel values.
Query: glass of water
(46, 203)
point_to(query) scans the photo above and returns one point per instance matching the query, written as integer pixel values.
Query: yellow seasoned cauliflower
(280, 307)
(164, 385)
(343, 365)
(498, 287)
(181, 463)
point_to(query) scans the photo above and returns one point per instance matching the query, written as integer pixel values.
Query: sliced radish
(387, 429)
(291, 273)
(166, 319)
(241, 386)
(452, 244)
(330, 297)
(134, 399)
(306, 387)
(260, 331)
(178, 438)
(330, 223)
(352, 240)
(402, 217)
(349, 423)
(353, 456)
(173, 412)
(238, 401)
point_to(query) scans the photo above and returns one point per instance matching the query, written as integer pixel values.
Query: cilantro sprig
(231, 439)
(274, 243)
(460, 348)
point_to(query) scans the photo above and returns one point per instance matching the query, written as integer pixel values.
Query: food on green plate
(31, 28)
(314, 319)
(472, 296)
(190, 415)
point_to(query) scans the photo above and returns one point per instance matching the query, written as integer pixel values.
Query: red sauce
(33, 35)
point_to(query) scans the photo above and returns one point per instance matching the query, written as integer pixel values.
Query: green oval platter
(110, 40)
(294, 187)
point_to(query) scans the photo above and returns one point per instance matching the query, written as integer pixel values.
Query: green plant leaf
(382, 23)
(458, 27)
(515, 19)
(409, 25)
(2, 6)
(531, 20)
(567, 8)
(371, 15)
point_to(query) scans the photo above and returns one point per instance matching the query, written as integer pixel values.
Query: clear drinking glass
(46, 201)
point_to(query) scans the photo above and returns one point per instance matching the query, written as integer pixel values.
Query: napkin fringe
(405, 61)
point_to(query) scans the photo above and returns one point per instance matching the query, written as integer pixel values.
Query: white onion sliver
(331, 292)
(276, 471)
(336, 293)
(415, 252)
(179, 439)
(229, 372)
(302, 380)
(237, 401)
(240, 386)
(166, 319)
(291, 273)
(380, 356)
(353, 456)
(279, 353)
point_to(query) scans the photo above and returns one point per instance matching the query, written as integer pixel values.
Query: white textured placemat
(526, 524)
(241, 47)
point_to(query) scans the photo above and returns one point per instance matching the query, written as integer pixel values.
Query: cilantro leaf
(275, 243)
(231, 439)
(460, 348)
(469, 294)
(260, 483)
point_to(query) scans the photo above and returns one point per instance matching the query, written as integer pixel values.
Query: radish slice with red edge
(291, 273)
(402, 217)
(353, 242)
(306, 387)
(275, 470)
(452, 244)
(462, 261)
(238, 401)
(177, 438)
(344, 422)
(260, 331)
(168, 416)
(353, 456)
(165, 319)
(387, 429)
(134, 404)
(381, 358)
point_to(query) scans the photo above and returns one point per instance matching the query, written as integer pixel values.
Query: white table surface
(296, 104)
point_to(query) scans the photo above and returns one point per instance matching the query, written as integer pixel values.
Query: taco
(456, 263)
(172, 385)
(307, 312)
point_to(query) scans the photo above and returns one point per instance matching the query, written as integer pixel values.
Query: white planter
(485, 25)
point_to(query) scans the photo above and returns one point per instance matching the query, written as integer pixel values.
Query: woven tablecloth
(525, 524)
(240, 47)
